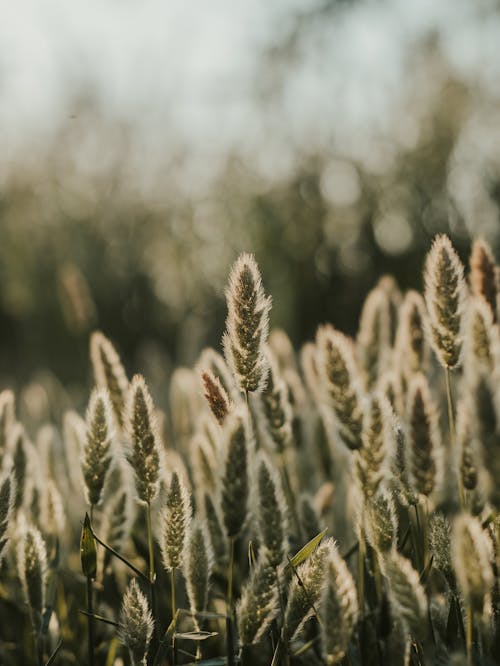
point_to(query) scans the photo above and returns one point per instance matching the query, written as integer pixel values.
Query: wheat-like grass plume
(483, 275)
(258, 605)
(97, 453)
(217, 398)
(145, 453)
(445, 296)
(198, 567)
(32, 570)
(247, 325)
(7, 494)
(341, 383)
(272, 511)
(109, 373)
(136, 624)
(339, 609)
(235, 474)
(176, 521)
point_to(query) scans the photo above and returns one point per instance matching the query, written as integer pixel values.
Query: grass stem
(229, 609)
(91, 623)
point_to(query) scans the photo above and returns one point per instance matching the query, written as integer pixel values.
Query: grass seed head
(97, 453)
(272, 511)
(136, 624)
(145, 453)
(109, 374)
(445, 296)
(247, 325)
(176, 521)
(339, 609)
(198, 567)
(483, 279)
(32, 570)
(258, 605)
(235, 483)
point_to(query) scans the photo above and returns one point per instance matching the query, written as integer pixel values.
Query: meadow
(334, 504)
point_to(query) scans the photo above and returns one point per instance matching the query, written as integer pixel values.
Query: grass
(373, 415)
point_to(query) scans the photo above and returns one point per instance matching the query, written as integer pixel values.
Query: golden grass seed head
(198, 567)
(215, 529)
(136, 624)
(440, 544)
(472, 561)
(276, 408)
(235, 483)
(7, 495)
(272, 512)
(176, 522)
(400, 479)
(18, 446)
(341, 383)
(258, 604)
(109, 374)
(32, 571)
(371, 460)
(423, 437)
(247, 325)
(445, 296)
(146, 449)
(217, 398)
(303, 596)
(202, 464)
(381, 524)
(412, 347)
(339, 609)
(483, 341)
(406, 593)
(97, 453)
(214, 362)
(373, 344)
(467, 462)
(483, 279)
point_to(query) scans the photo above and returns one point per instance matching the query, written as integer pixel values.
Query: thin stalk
(174, 614)
(229, 610)
(90, 622)
(152, 574)
(468, 636)
(361, 566)
(116, 554)
(451, 424)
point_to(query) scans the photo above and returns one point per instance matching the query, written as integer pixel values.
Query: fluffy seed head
(381, 525)
(136, 624)
(235, 481)
(440, 544)
(215, 530)
(276, 408)
(18, 445)
(247, 325)
(340, 379)
(445, 295)
(145, 453)
(215, 363)
(97, 451)
(339, 609)
(374, 337)
(467, 455)
(302, 597)
(32, 570)
(483, 344)
(109, 373)
(423, 437)
(377, 445)
(176, 520)
(406, 592)
(216, 396)
(471, 557)
(198, 567)
(272, 511)
(258, 605)
(412, 349)
(483, 274)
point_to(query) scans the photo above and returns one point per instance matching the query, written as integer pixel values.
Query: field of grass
(336, 504)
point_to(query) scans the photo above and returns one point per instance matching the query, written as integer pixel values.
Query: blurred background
(145, 145)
